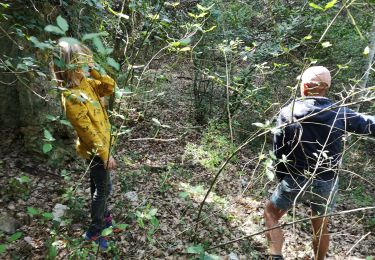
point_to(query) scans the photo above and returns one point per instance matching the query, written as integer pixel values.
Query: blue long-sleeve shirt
(311, 143)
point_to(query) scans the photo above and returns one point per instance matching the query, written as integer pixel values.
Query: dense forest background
(199, 84)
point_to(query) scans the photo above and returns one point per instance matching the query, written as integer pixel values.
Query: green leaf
(204, 9)
(99, 45)
(69, 40)
(107, 231)
(53, 29)
(47, 147)
(41, 74)
(308, 37)
(121, 15)
(156, 121)
(32, 211)
(211, 257)
(330, 5)
(108, 51)
(47, 215)
(270, 175)
(260, 125)
(51, 117)
(62, 23)
(141, 223)
(65, 122)
(15, 236)
(272, 155)
(154, 222)
(153, 211)
(342, 67)
(183, 195)
(90, 36)
(122, 226)
(48, 136)
(24, 179)
(40, 45)
(210, 29)
(326, 44)
(111, 62)
(52, 252)
(198, 249)
(185, 42)
(3, 248)
(175, 44)
(366, 51)
(185, 49)
(315, 6)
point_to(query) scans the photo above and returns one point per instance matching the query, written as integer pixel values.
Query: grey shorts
(318, 194)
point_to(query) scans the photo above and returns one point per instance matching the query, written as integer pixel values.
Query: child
(81, 99)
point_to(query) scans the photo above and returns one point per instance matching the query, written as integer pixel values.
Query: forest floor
(157, 189)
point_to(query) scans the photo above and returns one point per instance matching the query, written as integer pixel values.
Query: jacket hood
(303, 107)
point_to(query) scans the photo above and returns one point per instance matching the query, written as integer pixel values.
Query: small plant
(48, 139)
(214, 148)
(11, 239)
(128, 180)
(17, 188)
(158, 126)
(147, 218)
(76, 205)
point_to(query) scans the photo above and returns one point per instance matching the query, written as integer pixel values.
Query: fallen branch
(154, 139)
(289, 224)
(363, 237)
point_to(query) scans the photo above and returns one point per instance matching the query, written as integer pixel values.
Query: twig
(291, 223)
(154, 139)
(228, 93)
(363, 237)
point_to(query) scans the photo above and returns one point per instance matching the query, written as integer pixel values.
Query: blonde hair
(65, 69)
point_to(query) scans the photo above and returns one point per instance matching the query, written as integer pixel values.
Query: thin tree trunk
(370, 60)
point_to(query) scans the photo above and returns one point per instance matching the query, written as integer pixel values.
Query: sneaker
(274, 257)
(97, 238)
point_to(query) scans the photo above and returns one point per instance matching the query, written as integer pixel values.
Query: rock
(21, 202)
(233, 256)
(8, 224)
(30, 241)
(244, 181)
(59, 211)
(11, 206)
(132, 196)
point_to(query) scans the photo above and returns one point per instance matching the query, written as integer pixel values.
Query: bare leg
(275, 237)
(320, 237)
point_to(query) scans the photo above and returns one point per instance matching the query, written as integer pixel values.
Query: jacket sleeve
(359, 123)
(76, 112)
(103, 84)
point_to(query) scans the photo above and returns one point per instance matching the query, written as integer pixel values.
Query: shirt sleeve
(76, 113)
(103, 84)
(359, 123)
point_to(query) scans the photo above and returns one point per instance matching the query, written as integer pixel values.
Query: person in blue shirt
(309, 148)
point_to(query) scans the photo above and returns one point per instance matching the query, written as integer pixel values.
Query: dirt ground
(154, 174)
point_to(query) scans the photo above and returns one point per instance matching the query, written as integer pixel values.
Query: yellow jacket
(88, 116)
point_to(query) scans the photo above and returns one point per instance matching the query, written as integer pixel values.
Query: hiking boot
(274, 257)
